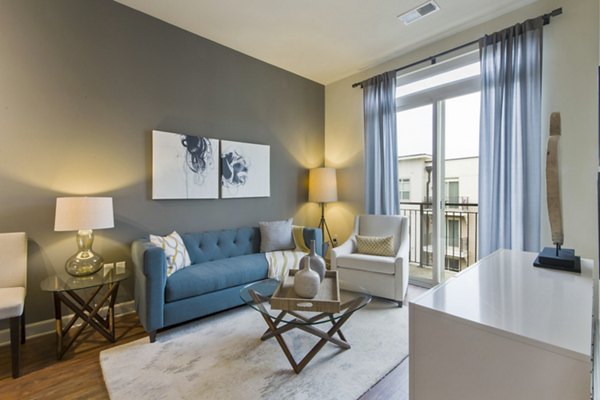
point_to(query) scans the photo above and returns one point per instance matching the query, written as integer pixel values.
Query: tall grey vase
(317, 263)
(306, 281)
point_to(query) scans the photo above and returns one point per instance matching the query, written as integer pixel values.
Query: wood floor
(78, 374)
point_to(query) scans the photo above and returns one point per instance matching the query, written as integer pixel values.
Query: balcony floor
(425, 272)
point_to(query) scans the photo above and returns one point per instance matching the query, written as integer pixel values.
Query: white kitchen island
(503, 330)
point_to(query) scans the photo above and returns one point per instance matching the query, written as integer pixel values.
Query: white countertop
(504, 291)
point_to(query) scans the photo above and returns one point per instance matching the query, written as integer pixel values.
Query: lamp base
(325, 229)
(84, 263)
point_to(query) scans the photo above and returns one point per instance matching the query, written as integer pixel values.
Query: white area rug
(222, 357)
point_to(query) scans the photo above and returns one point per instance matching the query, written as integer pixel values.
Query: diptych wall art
(192, 167)
(245, 170)
(184, 166)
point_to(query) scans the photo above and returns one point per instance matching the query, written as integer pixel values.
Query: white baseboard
(46, 327)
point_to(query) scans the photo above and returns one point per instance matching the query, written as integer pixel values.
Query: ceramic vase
(317, 263)
(307, 281)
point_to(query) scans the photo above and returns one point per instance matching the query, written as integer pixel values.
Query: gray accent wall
(82, 85)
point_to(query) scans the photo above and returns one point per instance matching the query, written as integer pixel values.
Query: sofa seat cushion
(367, 262)
(211, 276)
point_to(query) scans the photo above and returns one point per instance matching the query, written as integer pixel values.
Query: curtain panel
(510, 147)
(381, 153)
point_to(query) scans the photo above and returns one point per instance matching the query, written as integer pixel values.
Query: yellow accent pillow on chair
(375, 245)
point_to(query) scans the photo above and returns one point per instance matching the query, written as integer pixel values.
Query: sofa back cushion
(215, 245)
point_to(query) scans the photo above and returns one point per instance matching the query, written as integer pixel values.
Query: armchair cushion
(375, 245)
(367, 262)
(12, 300)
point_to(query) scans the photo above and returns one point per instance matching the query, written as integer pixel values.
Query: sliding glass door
(438, 125)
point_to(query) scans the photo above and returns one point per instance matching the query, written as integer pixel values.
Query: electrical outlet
(107, 267)
(121, 267)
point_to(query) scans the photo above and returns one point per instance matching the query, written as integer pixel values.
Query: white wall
(571, 53)
(466, 170)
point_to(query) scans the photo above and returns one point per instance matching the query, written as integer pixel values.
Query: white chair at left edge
(13, 285)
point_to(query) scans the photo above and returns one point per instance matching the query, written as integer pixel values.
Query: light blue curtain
(510, 138)
(381, 153)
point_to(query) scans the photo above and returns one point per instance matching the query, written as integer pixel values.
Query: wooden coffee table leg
(339, 332)
(268, 334)
(273, 329)
(330, 333)
(325, 336)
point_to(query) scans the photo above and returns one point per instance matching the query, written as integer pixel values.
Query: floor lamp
(322, 188)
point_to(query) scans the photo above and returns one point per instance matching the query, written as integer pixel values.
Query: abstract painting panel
(184, 166)
(245, 170)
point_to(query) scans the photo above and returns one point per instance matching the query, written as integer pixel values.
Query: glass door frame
(438, 206)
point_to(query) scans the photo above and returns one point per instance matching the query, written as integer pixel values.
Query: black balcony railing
(460, 238)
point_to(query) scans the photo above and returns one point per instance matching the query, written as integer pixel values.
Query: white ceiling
(322, 40)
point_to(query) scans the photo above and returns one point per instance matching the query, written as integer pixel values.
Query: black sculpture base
(565, 260)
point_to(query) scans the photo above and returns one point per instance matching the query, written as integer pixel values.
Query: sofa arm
(348, 247)
(315, 234)
(150, 270)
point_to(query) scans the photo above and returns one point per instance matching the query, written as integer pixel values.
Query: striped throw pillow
(375, 245)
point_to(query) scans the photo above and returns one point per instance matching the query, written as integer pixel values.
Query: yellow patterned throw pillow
(175, 251)
(376, 245)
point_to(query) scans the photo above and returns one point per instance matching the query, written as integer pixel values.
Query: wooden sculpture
(552, 188)
(555, 257)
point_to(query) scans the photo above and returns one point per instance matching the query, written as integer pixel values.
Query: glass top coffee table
(258, 294)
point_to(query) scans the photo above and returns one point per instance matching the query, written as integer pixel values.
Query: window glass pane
(452, 233)
(446, 77)
(414, 129)
(404, 189)
(462, 126)
(452, 191)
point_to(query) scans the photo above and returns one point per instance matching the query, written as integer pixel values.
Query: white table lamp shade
(322, 185)
(83, 213)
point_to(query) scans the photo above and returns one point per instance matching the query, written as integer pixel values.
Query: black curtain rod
(433, 59)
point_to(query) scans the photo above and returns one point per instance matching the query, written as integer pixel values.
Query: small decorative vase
(306, 281)
(317, 263)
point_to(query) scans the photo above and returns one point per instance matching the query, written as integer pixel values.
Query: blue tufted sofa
(222, 263)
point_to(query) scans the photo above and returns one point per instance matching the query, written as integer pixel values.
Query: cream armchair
(13, 283)
(385, 277)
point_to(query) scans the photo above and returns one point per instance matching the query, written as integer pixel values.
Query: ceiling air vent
(419, 12)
